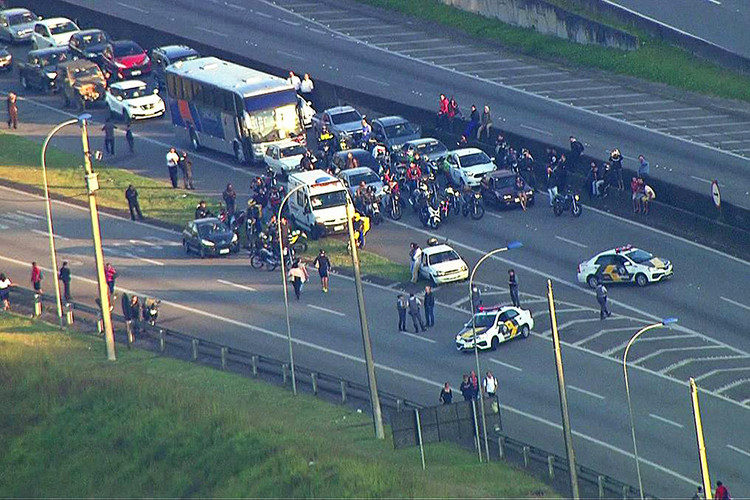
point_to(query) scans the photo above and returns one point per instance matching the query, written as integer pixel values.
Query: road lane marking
(132, 7)
(665, 420)
(290, 23)
(734, 302)
(506, 365)
(237, 285)
(721, 370)
(28, 214)
(738, 450)
(603, 332)
(701, 179)
(575, 243)
(330, 311)
(659, 352)
(234, 6)
(46, 234)
(687, 361)
(144, 259)
(584, 391)
(418, 337)
(213, 32)
(263, 14)
(374, 80)
(529, 127)
(289, 54)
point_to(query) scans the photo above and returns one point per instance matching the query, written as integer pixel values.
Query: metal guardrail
(192, 348)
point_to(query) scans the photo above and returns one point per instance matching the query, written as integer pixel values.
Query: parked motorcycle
(453, 197)
(394, 203)
(570, 202)
(473, 205)
(429, 215)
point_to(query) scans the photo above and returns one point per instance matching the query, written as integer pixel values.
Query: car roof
(339, 109)
(391, 120)
(90, 31)
(52, 21)
(499, 310)
(424, 140)
(14, 10)
(616, 251)
(81, 63)
(48, 51)
(357, 170)
(467, 151)
(129, 84)
(176, 50)
(123, 43)
(356, 152)
(502, 173)
(207, 220)
(437, 249)
(287, 144)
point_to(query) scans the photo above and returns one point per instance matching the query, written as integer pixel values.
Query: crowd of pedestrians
(470, 388)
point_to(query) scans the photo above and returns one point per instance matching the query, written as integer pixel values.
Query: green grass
(655, 60)
(75, 425)
(370, 263)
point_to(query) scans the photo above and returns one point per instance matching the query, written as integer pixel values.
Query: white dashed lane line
(735, 303)
(584, 391)
(237, 285)
(506, 365)
(324, 309)
(574, 243)
(665, 420)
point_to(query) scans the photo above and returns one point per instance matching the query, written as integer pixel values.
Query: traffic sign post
(716, 196)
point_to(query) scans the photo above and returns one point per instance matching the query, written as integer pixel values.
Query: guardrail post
(283, 373)
(162, 341)
(551, 466)
(343, 391)
(314, 379)
(625, 491)
(526, 451)
(195, 349)
(129, 331)
(254, 365)
(37, 305)
(501, 447)
(600, 484)
(224, 358)
(399, 405)
(68, 313)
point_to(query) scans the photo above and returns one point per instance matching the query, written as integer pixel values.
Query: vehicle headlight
(51, 75)
(234, 237)
(464, 268)
(397, 147)
(207, 243)
(507, 197)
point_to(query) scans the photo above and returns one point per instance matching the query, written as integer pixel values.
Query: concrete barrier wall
(549, 19)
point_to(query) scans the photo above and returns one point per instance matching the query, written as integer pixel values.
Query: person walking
(416, 261)
(323, 265)
(489, 385)
(722, 493)
(298, 276)
(64, 276)
(131, 194)
(446, 394)
(415, 311)
(306, 88)
(513, 287)
(429, 306)
(172, 161)
(474, 381)
(476, 298)
(129, 138)
(486, 125)
(109, 136)
(5, 285)
(601, 297)
(401, 305)
(12, 110)
(294, 81)
(466, 389)
(186, 166)
(36, 278)
(110, 275)
(230, 200)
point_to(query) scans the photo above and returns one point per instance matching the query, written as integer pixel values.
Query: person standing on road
(429, 306)
(576, 151)
(294, 81)
(415, 311)
(109, 137)
(110, 275)
(36, 278)
(647, 197)
(722, 493)
(5, 285)
(473, 122)
(442, 115)
(401, 306)
(131, 194)
(601, 297)
(552, 183)
(476, 299)
(186, 165)
(486, 125)
(513, 287)
(416, 261)
(466, 389)
(474, 381)
(489, 385)
(644, 168)
(64, 276)
(446, 394)
(323, 265)
(306, 88)
(129, 138)
(172, 161)
(12, 110)
(230, 200)
(453, 113)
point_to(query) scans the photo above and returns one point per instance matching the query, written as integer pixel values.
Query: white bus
(226, 107)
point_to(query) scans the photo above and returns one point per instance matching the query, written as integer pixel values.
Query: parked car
(284, 157)
(428, 148)
(81, 83)
(128, 60)
(499, 189)
(41, 68)
(53, 32)
(209, 236)
(161, 57)
(394, 131)
(352, 177)
(364, 159)
(17, 25)
(132, 100)
(442, 264)
(467, 166)
(6, 59)
(341, 121)
(89, 44)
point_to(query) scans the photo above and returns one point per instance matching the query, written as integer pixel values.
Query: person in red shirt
(413, 174)
(442, 117)
(453, 113)
(36, 278)
(722, 493)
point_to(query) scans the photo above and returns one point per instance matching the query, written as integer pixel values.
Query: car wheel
(194, 140)
(641, 280)
(186, 246)
(24, 82)
(495, 343)
(592, 281)
(525, 331)
(202, 252)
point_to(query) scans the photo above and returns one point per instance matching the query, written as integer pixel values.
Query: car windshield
(400, 130)
(83, 71)
(328, 200)
(25, 18)
(93, 39)
(435, 148)
(483, 320)
(296, 150)
(53, 59)
(504, 182)
(446, 256)
(211, 228)
(474, 159)
(59, 29)
(366, 177)
(346, 117)
(134, 93)
(639, 256)
(127, 49)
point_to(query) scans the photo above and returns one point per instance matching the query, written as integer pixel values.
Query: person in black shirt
(65, 278)
(323, 265)
(513, 286)
(131, 194)
(429, 306)
(467, 390)
(446, 394)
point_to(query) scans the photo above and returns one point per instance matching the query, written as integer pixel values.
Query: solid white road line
(132, 7)
(665, 420)
(575, 243)
(584, 391)
(237, 285)
(289, 54)
(147, 261)
(46, 234)
(418, 337)
(506, 365)
(701, 179)
(374, 80)
(739, 450)
(734, 302)
(29, 214)
(330, 311)
(213, 32)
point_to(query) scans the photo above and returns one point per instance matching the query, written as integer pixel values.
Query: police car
(624, 265)
(495, 325)
(441, 264)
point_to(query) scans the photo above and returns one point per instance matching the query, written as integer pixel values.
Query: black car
(89, 44)
(499, 188)
(6, 59)
(40, 69)
(364, 159)
(161, 57)
(209, 236)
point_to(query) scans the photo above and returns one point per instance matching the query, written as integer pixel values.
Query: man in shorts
(323, 266)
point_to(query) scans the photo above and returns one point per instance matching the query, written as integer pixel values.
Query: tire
(186, 247)
(592, 281)
(641, 280)
(271, 267)
(396, 212)
(314, 233)
(434, 222)
(525, 331)
(194, 140)
(300, 247)
(202, 252)
(239, 154)
(65, 100)
(577, 209)
(494, 344)
(477, 211)
(24, 82)
(557, 207)
(256, 262)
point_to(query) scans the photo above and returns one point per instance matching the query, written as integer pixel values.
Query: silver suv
(17, 25)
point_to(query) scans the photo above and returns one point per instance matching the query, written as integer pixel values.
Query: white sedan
(285, 157)
(441, 264)
(495, 325)
(132, 100)
(625, 264)
(467, 166)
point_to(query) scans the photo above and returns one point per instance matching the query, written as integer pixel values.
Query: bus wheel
(239, 154)
(194, 140)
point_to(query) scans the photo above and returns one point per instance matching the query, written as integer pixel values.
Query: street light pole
(283, 281)
(92, 185)
(567, 433)
(701, 441)
(640, 332)
(511, 245)
(48, 208)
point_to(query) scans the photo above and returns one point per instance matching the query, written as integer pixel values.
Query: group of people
(470, 388)
(412, 305)
(478, 125)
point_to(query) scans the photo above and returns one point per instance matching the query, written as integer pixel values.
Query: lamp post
(511, 245)
(48, 208)
(664, 322)
(286, 292)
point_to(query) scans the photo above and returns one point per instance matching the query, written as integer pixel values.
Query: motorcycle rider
(413, 174)
(201, 211)
(361, 225)
(308, 161)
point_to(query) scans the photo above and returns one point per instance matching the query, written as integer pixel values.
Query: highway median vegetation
(655, 60)
(77, 425)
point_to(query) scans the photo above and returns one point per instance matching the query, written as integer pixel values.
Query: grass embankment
(655, 60)
(76, 425)
(19, 163)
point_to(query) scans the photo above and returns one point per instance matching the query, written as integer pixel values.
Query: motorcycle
(394, 203)
(151, 311)
(373, 210)
(453, 197)
(261, 255)
(570, 202)
(298, 241)
(473, 205)
(429, 215)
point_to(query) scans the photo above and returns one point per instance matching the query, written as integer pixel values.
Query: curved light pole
(283, 280)
(664, 322)
(48, 208)
(511, 245)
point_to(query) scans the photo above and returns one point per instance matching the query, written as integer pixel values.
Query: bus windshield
(269, 125)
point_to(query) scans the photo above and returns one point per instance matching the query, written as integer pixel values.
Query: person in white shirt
(173, 160)
(294, 80)
(306, 86)
(5, 285)
(416, 261)
(489, 385)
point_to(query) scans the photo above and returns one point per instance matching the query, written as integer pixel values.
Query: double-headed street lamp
(664, 322)
(510, 246)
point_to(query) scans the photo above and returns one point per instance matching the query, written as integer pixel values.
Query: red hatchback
(130, 59)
